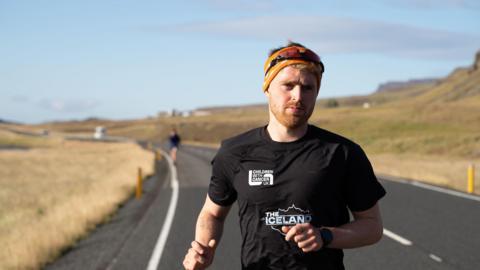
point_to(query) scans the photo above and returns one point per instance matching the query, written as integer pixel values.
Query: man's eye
(308, 87)
(288, 86)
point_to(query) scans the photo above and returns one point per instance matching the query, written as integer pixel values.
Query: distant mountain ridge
(461, 84)
(399, 85)
(2, 121)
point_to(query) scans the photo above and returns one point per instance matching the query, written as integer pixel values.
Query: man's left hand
(306, 236)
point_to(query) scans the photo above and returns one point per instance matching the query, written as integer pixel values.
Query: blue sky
(119, 59)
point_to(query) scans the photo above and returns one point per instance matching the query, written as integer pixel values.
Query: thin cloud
(343, 35)
(68, 106)
(434, 4)
(270, 5)
(242, 5)
(19, 99)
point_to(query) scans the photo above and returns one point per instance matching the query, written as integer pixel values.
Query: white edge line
(397, 238)
(430, 187)
(447, 191)
(162, 238)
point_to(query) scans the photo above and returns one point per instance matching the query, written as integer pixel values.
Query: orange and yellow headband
(286, 57)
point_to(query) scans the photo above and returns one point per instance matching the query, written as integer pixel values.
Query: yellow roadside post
(138, 194)
(471, 179)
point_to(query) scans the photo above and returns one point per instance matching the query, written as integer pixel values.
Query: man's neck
(280, 133)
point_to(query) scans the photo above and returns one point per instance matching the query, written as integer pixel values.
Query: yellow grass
(50, 197)
(437, 170)
(12, 139)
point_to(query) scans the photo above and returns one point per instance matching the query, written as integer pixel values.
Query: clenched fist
(199, 257)
(304, 235)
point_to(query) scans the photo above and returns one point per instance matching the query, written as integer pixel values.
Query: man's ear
(320, 84)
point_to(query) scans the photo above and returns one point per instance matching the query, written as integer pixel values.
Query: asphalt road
(425, 229)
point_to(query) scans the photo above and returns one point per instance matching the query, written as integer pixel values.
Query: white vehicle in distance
(100, 132)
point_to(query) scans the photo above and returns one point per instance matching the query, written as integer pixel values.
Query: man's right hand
(199, 257)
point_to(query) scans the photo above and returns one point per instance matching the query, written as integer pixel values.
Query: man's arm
(365, 229)
(210, 222)
(208, 232)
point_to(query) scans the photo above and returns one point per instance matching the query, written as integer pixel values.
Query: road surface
(424, 228)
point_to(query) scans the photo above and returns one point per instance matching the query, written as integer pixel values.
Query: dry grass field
(54, 191)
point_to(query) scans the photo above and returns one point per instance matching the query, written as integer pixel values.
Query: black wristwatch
(327, 237)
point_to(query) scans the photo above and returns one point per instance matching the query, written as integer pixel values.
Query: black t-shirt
(315, 179)
(174, 140)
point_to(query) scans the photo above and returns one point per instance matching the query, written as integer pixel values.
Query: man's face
(291, 96)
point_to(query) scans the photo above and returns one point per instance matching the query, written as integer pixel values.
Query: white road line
(407, 242)
(436, 258)
(397, 238)
(430, 187)
(162, 239)
(447, 191)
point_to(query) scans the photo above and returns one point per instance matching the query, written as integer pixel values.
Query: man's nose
(296, 93)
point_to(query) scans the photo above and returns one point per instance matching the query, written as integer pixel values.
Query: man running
(174, 140)
(294, 183)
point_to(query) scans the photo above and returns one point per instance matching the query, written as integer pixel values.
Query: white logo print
(286, 217)
(260, 177)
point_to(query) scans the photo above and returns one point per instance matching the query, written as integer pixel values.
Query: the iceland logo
(286, 217)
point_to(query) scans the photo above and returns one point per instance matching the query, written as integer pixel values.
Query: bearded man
(294, 183)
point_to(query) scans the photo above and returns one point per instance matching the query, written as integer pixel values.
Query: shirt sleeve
(221, 190)
(362, 187)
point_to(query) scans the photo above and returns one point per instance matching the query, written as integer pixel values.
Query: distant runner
(174, 140)
(294, 183)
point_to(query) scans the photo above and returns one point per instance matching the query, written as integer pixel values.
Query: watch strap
(327, 237)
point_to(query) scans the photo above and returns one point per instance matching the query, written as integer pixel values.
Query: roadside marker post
(471, 179)
(138, 193)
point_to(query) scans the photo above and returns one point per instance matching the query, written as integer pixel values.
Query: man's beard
(290, 120)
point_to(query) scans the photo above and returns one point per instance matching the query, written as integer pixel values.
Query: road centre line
(397, 238)
(162, 239)
(407, 242)
(435, 258)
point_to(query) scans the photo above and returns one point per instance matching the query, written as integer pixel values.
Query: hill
(3, 121)
(462, 84)
(399, 86)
